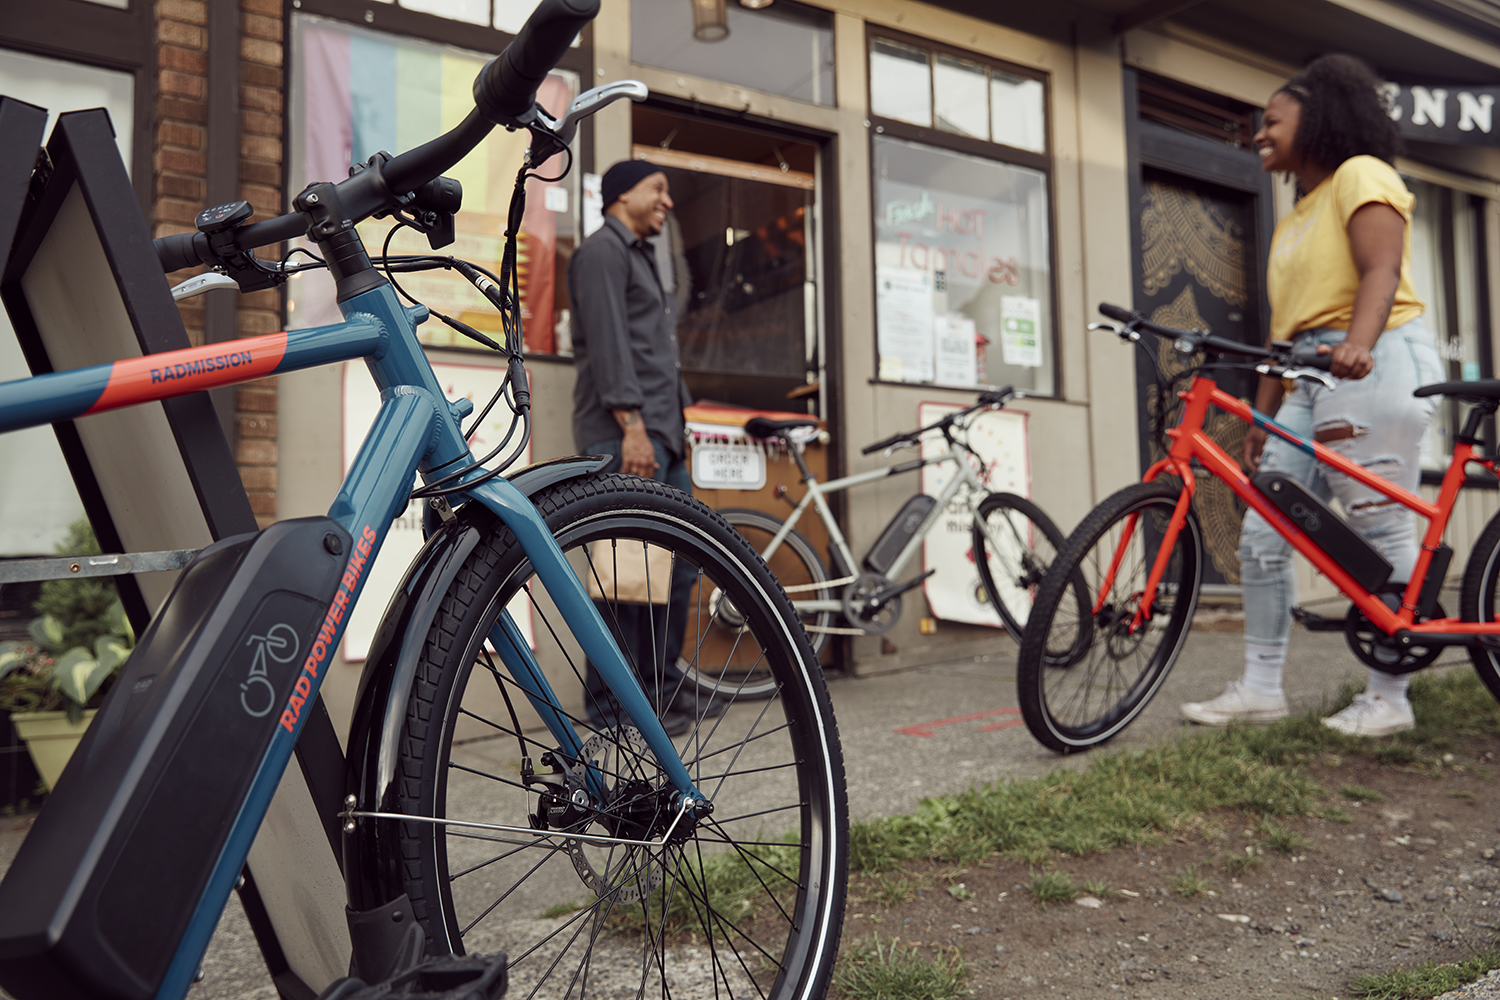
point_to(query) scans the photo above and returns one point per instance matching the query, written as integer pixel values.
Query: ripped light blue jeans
(1387, 424)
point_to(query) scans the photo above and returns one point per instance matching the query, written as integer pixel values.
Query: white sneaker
(1237, 704)
(1371, 715)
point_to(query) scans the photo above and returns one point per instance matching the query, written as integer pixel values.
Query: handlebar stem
(333, 230)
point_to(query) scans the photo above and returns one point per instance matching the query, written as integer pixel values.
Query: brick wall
(181, 189)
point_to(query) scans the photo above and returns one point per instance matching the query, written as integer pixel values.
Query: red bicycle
(1086, 672)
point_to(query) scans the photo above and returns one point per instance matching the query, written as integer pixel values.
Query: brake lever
(1311, 374)
(901, 447)
(587, 103)
(1123, 332)
(200, 283)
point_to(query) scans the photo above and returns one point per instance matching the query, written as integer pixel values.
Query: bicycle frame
(1190, 443)
(815, 497)
(415, 432)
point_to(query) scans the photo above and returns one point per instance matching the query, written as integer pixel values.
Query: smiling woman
(1339, 279)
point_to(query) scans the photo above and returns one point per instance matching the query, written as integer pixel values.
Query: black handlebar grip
(1118, 313)
(1309, 359)
(181, 250)
(506, 87)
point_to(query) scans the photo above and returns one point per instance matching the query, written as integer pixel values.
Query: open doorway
(740, 255)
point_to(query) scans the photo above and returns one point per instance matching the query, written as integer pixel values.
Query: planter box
(19, 780)
(51, 738)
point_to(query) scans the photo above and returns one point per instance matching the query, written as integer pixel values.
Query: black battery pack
(896, 534)
(105, 883)
(1327, 530)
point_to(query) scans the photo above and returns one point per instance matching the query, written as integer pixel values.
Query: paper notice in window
(903, 309)
(957, 360)
(1020, 342)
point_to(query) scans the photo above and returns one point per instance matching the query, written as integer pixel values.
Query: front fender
(372, 854)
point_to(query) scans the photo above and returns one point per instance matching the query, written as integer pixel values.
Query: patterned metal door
(1197, 270)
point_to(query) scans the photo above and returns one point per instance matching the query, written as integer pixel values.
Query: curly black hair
(1345, 112)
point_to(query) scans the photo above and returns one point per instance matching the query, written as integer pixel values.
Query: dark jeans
(650, 635)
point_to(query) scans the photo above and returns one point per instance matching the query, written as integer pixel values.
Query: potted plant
(51, 685)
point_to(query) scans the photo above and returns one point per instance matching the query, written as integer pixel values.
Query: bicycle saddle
(1483, 391)
(764, 427)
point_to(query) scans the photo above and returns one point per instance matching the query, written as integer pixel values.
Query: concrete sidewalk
(911, 733)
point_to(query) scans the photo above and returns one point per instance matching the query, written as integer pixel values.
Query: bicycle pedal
(445, 977)
(1314, 622)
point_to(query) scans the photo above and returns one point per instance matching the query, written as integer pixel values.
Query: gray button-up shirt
(624, 340)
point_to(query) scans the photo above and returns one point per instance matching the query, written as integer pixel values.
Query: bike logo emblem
(1308, 517)
(280, 643)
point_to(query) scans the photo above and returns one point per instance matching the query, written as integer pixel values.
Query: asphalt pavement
(915, 732)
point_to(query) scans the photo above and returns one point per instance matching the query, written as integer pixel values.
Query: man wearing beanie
(627, 403)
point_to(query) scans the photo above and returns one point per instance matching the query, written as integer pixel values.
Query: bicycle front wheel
(747, 901)
(1014, 544)
(798, 569)
(1118, 655)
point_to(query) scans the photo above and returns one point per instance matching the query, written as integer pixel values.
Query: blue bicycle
(480, 817)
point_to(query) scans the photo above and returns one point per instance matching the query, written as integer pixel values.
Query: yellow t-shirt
(1311, 278)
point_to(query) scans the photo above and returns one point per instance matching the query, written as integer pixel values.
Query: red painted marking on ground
(924, 729)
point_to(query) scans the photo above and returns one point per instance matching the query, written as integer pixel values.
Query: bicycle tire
(795, 563)
(764, 764)
(1478, 599)
(1030, 545)
(1089, 697)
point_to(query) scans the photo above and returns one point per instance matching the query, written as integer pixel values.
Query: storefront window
(356, 92)
(900, 82)
(958, 97)
(784, 49)
(963, 257)
(1447, 264)
(1017, 112)
(502, 15)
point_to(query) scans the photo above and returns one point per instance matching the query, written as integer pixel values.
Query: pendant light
(756, 4)
(710, 20)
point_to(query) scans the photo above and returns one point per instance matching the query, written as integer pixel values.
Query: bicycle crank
(874, 603)
(1376, 649)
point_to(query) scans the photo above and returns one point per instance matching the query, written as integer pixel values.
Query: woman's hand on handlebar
(1348, 360)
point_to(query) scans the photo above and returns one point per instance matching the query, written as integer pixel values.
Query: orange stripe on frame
(176, 373)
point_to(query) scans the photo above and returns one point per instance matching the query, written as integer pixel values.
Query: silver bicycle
(1014, 541)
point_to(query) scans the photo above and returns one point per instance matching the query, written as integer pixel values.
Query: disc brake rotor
(630, 774)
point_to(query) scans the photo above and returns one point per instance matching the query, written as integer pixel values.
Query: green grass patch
(1099, 889)
(872, 970)
(1423, 981)
(561, 910)
(1359, 793)
(1334, 814)
(730, 885)
(1281, 840)
(1461, 793)
(893, 890)
(1188, 883)
(1052, 887)
(1238, 864)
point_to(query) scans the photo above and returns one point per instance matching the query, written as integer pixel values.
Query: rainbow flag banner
(358, 92)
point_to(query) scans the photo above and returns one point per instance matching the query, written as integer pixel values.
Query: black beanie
(623, 176)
